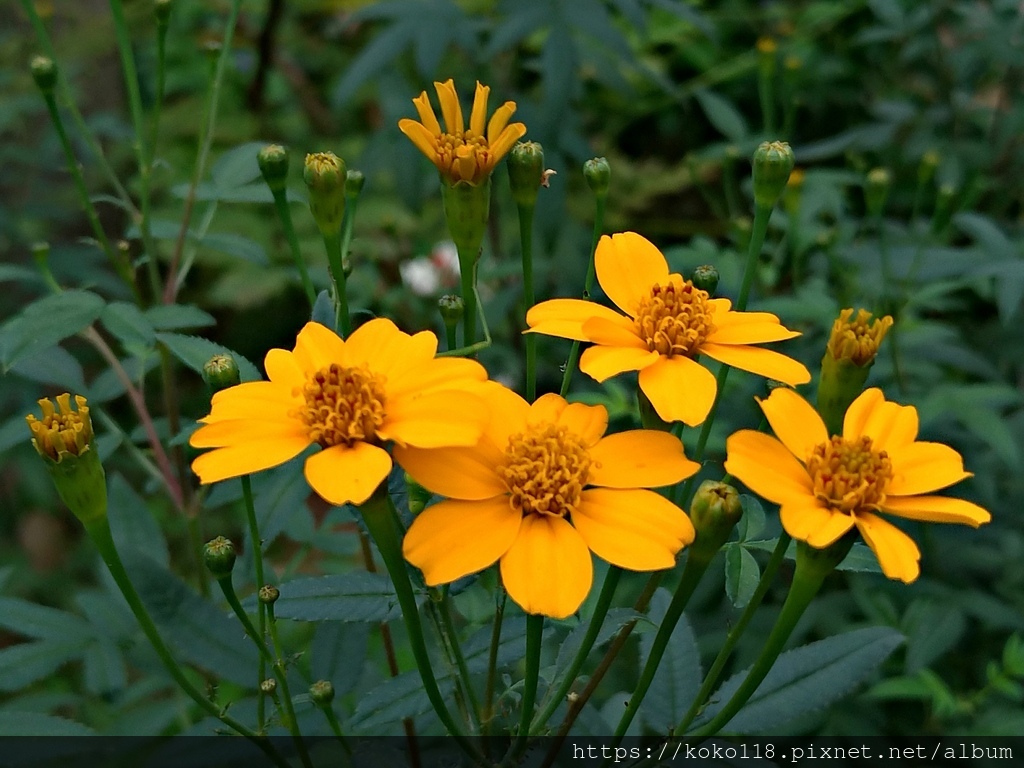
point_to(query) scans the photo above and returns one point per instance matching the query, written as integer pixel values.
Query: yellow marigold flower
(827, 485)
(460, 154)
(667, 324)
(857, 338)
(348, 396)
(541, 490)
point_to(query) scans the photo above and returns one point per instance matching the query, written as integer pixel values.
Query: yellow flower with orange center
(461, 154)
(543, 488)
(667, 324)
(825, 485)
(351, 397)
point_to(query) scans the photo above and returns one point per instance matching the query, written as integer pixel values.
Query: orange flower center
(343, 405)
(62, 430)
(850, 475)
(545, 470)
(675, 319)
(462, 156)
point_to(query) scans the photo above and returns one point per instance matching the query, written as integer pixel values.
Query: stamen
(343, 405)
(675, 319)
(545, 470)
(850, 475)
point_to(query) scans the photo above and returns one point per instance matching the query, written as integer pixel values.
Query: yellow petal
(723, 309)
(726, 317)
(458, 473)
(896, 552)
(426, 113)
(890, 425)
(253, 398)
(245, 431)
(602, 363)
(499, 121)
(450, 107)
(383, 348)
(766, 467)
(806, 520)
(588, 422)
(548, 569)
(435, 419)
(505, 141)
(937, 509)
(453, 539)
(509, 415)
(613, 333)
(628, 266)
(316, 347)
(859, 411)
(565, 317)
(425, 141)
(794, 422)
(640, 458)
(238, 460)
(478, 117)
(749, 333)
(923, 468)
(634, 529)
(283, 369)
(680, 389)
(344, 475)
(763, 362)
(439, 373)
(546, 409)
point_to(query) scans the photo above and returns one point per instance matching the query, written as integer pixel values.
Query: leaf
(24, 664)
(108, 386)
(132, 524)
(742, 574)
(723, 115)
(752, 522)
(933, 628)
(194, 352)
(238, 246)
(860, 558)
(52, 366)
(38, 724)
(806, 679)
(46, 322)
(128, 323)
(104, 669)
(237, 166)
(991, 428)
(281, 503)
(17, 273)
(339, 597)
(515, 27)
(383, 48)
(614, 620)
(679, 674)
(39, 621)
(394, 700)
(173, 317)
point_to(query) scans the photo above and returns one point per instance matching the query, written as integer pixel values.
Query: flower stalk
(256, 545)
(273, 162)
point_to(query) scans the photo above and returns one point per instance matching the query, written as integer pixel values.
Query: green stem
(526, 243)
(99, 532)
(256, 544)
(235, 604)
(282, 681)
(342, 318)
(588, 286)
(332, 720)
(348, 225)
(765, 95)
(604, 601)
(534, 636)
(696, 565)
(450, 639)
(379, 516)
(451, 337)
(285, 215)
(472, 349)
(492, 661)
(467, 278)
(777, 556)
(732, 191)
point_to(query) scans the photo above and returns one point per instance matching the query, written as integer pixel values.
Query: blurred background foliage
(676, 94)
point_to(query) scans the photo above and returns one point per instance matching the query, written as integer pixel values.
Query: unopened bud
(876, 190)
(325, 177)
(706, 278)
(852, 347)
(418, 495)
(322, 693)
(221, 372)
(598, 174)
(41, 254)
(715, 510)
(354, 182)
(773, 162)
(273, 161)
(269, 686)
(526, 172)
(219, 556)
(162, 10)
(268, 594)
(44, 72)
(452, 308)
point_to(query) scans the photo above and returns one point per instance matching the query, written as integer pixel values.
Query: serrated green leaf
(174, 317)
(679, 673)
(38, 724)
(615, 619)
(932, 628)
(339, 597)
(52, 366)
(383, 48)
(338, 653)
(394, 700)
(47, 322)
(742, 574)
(238, 165)
(104, 668)
(723, 115)
(108, 385)
(806, 679)
(132, 524)
(24, 664)
(40, 621)
(194, 352)
(128, 323)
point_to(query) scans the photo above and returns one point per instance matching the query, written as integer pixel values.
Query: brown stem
(265, 54)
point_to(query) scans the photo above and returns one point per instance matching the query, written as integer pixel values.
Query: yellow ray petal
(283, 369)
(509, 414)
(723, 309)
(499, 121)
(763, 362)
(344, 475)
(766, 467)
(680, 389)
(439, 373)
(450, 107)
(794, 422)
(426, 113)
(548, 569)
(601, 363)
(435, 419)
(425, 141)
(588, 422)
(923, 468)
(859, 411)
(724, 316)
(896, 552)
(453, 539)
(546, 409)
(246, 431)
(383, 348)
(478, 117)
(749, 333)
(565, 317)
(806, 520)
(458, 473)
(505, 141)
(238, 460)
(613, 333)
(316, 347)
(635, 529)
(628, 266)
(640, 458)
(937, 509)
(891, 425)
(253, 398)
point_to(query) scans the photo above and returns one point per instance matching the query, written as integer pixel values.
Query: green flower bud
(273, 160)
(418, 495)
(452, 308)
(773, 162)
(706, 278)
(876, 190)
(219, 556)
(268, 594)
(322, 693)
(926, 170)
(221, 372)
(269, 686)
(325, 177)
(715, 510)
(44, 72)
(354, 182)
(526, 172)
(849, 355)
(162, 10)
(598, 174)
(65, 441)
(466, 210)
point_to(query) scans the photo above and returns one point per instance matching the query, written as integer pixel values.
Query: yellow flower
(541, 490)
(827, 485)
(462, 155)
(668, 323)
(350, 397)
(857, 339)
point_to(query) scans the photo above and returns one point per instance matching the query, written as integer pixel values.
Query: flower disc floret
(545, 470)
(343, 405)
(674, 319)
(849, 475)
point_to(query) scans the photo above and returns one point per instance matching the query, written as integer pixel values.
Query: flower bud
(466, 210)
(706, 278)
(849, 355)
(273, 160)
(926, 170)
(322, 693)
(773, 162)
(526, 172)
(767, 49)
(876, 190)
(791, 195)
(354, 182)
(65, 441)
(44, 72)
(715, 510)
(269, 686)
(162, 10)
(598, 174)
(219, 557)
(418, 495)
(268, 594)
(944, 201)
(452, 308)
(221, 372)
(325, 177)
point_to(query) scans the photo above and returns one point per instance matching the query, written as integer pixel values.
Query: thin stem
(450, 336)
(604, 601)
(588, 286)
(99, 532)
(526, 243)
(534, 636)
(447, 627)
(766, 97)
(332, 720)
(777, 556)
(342, 318)
(467, 278)
(285, 215)
(282, 681)
(472, 349)
(492, 661)
(228, 589)
(205, 143)
(256, 544)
